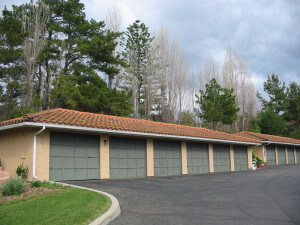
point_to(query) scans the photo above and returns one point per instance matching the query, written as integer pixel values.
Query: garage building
(60, 144)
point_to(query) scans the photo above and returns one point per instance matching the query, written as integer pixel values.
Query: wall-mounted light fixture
(105, 142)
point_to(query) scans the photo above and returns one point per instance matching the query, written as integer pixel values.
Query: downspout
(34, 151)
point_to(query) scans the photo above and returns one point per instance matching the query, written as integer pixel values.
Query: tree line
(52, 56)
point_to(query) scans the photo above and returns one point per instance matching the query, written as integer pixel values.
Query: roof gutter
(34, 151)
(279, 143)
(120, 132)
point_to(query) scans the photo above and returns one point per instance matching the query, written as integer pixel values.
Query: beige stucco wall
(184, 157)
(42, 155)
(258, 151)
(150, 158)
(211, 157)
(249, 150)
(276, 155)
(104, 157)
(16, 146)
(231, 158)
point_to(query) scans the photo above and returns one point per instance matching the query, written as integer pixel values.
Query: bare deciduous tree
(34, 23)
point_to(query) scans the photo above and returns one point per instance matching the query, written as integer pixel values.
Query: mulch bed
(29, 191)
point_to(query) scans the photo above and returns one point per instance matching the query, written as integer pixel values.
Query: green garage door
(197, 158)
(74, 157)
(291, 156)
(221, 158)
(127, 157)
(281, 155)
(298, 155)
(271, 155)
(167, 158)
(240, 157)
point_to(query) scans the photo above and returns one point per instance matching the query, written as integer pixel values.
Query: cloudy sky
(264, 33)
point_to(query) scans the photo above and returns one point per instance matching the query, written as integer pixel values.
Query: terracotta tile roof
(84, 119)
(267, 137)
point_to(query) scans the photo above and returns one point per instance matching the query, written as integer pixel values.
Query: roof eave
(120, 132)
(280, 143)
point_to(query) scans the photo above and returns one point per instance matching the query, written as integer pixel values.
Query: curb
(113, 212)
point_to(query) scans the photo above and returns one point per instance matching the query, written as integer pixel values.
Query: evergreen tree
(271, 123)
(277, 94)
(217, 104)
(71, 42)
(86, 91)
(137, 55)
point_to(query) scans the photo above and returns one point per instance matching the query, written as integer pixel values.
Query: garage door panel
(132, 164)
(291, 157)
(80, 151)
(93, 173)
(123, 163)
(162, 154)
(56, 174)
(69, 174)
(123, 173)
(140, 163)
(167, 158)
(170, 163)
(56, 162)
(81, 174)
(127, 157)
(221, 158)
(93, 163)
(240, 157)
(281, 155)
(197, 158)
(56, 150)
(68, 162)
(298, 155)
(163, 162)
(271, 155)
(90, 152)
(140, 172)
(70, 152)
(81, 163)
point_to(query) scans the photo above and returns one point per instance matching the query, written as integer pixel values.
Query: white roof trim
(279, 143)
(120, 132)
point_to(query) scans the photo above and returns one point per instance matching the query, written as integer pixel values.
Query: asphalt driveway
(266, 196)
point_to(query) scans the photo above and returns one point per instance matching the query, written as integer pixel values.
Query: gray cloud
(264, 33)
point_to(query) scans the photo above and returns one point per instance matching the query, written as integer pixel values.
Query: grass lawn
(66, 206)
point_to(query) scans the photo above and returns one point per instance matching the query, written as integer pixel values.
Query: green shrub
(22, 171)
(35, 183)
(14, 186)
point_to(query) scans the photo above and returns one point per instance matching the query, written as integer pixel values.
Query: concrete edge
(113, 212)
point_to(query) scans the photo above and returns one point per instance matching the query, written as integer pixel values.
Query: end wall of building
(16, 148)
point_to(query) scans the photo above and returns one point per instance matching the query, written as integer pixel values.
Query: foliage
(217, 104)
(187, 118)
(72, 41)
(86, 91)
(22, 171)
(255, 128)
(280, 115)
(259, 161)
(271, 123)
(137, 55)
(277, 94)
(0, 163)
(35, 183)
(65, 206)
(13, 186)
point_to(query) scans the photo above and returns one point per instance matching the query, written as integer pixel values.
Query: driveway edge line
(113, 212)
